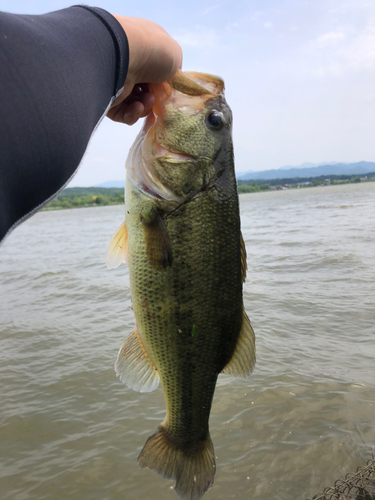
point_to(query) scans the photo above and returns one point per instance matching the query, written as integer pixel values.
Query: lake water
(69, 429)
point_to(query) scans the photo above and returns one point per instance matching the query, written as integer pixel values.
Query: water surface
(70, 429)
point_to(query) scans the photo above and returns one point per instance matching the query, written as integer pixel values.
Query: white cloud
(230, 26)
(257, 15)
(360, 53)
(202, 37)
(267, 24)
(331, 38)
(337, 52)
(209, 9)
(348, 7)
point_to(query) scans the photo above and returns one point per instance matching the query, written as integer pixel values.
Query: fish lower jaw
(161, 152)
(151, 189)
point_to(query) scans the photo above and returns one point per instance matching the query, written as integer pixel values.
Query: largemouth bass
(187, 262)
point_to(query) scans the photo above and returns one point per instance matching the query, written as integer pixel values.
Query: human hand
(153, 57)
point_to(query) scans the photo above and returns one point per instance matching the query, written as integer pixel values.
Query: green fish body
(187, 262)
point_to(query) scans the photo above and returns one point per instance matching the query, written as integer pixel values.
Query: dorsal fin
(243, 360)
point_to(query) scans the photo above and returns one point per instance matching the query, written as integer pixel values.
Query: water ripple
(69, 428)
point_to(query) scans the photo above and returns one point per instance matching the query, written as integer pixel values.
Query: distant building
(327, 182)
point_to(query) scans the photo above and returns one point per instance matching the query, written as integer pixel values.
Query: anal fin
(134, 367)
(117, 252)
(243, 360)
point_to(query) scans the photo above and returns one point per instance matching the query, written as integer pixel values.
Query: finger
(133, 112)
(135, 95)
(148, 100)
(129, 111)
(117, 113)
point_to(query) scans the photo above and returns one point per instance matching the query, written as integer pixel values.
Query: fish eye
(215, 120)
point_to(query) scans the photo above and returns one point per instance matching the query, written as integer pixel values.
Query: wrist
(153, 55)
(137, 40)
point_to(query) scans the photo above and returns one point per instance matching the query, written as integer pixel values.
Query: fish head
(182, 147)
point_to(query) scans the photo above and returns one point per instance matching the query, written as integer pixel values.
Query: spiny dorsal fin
(243, 360)
(158, 243)
(134, 367)
(193, 470)
(243, 258)
(117, 252)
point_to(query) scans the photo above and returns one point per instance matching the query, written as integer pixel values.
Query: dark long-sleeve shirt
(59, 74)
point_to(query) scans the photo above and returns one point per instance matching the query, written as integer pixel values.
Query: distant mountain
(307, 164)
(305, 170)
(360, 168)
(111, 184)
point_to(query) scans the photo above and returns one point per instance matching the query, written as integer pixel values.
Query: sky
(299, 77)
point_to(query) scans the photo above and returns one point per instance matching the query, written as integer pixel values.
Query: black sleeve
(59, 74)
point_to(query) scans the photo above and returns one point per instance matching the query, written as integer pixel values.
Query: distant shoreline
(253, 186)
(78, 197)
(103, 197)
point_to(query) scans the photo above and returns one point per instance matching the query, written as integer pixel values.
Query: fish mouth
(186, 90)
(188, 93)
(197, 84)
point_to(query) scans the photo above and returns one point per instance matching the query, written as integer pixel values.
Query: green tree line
(315, 181)
(86, 197)
(93, 197)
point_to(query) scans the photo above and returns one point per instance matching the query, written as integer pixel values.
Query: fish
(182, 242)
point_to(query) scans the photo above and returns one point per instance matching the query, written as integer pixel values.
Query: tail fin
(193, 470)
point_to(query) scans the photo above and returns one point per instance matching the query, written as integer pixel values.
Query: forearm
(60, 72)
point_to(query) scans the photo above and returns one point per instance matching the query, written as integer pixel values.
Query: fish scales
(202, 288)
(187, 261)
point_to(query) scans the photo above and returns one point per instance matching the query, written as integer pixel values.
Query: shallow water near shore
(70, 429)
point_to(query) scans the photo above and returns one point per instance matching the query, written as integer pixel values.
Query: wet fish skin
(187, 263)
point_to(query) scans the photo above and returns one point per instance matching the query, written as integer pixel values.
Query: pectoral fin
(158, 243)
(117, 252)
(134, 367)
(243, 360)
